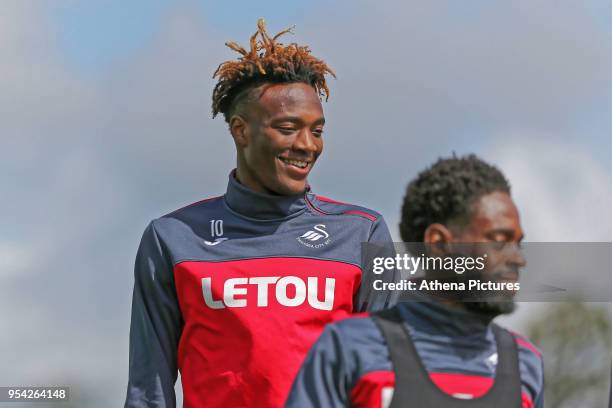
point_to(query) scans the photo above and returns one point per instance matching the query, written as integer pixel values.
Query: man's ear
(437, 233)
(437, 239)
(240, 130)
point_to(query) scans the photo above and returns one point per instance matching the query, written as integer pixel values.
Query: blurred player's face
(493, 231)
(279, 139)
(496, 224)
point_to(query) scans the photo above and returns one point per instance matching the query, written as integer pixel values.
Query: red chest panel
(250, 323)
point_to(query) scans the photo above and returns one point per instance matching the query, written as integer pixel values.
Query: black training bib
(414, 388)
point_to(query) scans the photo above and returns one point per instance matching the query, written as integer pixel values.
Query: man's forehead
(495, 210)
(289, 98)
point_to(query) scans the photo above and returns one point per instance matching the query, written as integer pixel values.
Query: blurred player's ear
(437, 238)
(437, 234)
(239, 130)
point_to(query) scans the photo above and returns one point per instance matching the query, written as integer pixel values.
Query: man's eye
(496, 245)
(499, 241)
(317, 132)
(286, 129)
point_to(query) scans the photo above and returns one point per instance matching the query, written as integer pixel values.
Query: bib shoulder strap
(414, 388)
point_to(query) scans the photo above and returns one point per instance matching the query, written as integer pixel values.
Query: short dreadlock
(268, 61)
(445, 193)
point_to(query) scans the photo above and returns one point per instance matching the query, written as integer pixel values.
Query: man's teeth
(297, 163)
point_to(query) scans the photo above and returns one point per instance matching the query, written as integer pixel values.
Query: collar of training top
(431, 316)
(262, 206)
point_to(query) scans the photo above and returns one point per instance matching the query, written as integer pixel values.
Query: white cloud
(14, 260)
(563, 193)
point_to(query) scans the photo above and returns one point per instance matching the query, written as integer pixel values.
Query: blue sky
(94, 34)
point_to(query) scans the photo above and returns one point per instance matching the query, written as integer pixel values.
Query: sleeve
(155, 328)
(538, 401)
(532, 371)
(323, 378)
(379, 244)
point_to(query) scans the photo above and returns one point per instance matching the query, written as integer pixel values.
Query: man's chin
(288, 187)
(492, 308)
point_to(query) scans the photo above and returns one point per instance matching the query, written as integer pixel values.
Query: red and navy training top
(232, 292)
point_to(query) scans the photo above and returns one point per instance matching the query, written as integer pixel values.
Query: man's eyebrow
(296, 119)
(507, 231)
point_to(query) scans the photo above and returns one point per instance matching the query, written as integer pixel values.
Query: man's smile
(300, 166)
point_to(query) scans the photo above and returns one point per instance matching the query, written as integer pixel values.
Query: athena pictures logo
(315, 238)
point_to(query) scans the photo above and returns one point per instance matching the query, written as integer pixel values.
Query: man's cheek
(493, 263)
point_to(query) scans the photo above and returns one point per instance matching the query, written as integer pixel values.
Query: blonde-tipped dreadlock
(266, 61)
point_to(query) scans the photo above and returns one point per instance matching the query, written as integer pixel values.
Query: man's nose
(306, 141)
(515, 255)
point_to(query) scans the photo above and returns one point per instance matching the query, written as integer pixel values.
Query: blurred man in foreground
(437, 349)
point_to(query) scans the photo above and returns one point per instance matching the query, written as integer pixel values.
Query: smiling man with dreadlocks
(233, 290)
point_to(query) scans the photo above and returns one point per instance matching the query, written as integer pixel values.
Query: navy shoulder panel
(364, 344)
(526, 346)
(192, 209)
(182, 230)
(531, 366)
(359, 328)
(328, 206)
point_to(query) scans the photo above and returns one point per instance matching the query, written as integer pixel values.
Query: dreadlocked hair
(267, 61)
(446, 192)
